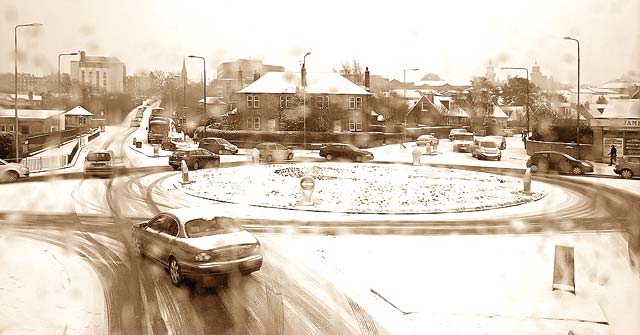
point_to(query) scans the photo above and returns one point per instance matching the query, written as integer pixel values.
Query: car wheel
(175, 273)
(10, 176)
(359, 159)
(576, 171)
(196, 165)
(290, 156)
(163, 146)
(626, 174)
(269, 158)
(534, 168)
(329, 157)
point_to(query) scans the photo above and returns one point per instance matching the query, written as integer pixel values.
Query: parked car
(270, 152)
(195, 158)
(456, 131)
(500, 141)
(485, 149)
(628, 166)
(424, 139)
(544, 161)
(134, 123)
(99, 163)
(194, 242)
(175, 143)
(345, 151)
(10, 172)
(462, 142)
(218, 145)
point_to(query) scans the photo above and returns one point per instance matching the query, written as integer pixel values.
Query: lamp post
(527, 101)
(15, 81)
(60, 116)
(578, 101)
(404, 98)
(204, 66)
(303, 79)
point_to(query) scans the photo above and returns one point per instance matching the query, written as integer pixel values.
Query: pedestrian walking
(613, 153)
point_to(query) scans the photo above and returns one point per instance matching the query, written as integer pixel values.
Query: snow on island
(361, 188)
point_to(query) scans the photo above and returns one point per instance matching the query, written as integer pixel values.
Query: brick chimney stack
(82, 56)
(367, 81)
(240, 84)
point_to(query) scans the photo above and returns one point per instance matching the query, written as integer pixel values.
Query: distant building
(25, 101)
(491, 73)
(138, 84)
(105, 74)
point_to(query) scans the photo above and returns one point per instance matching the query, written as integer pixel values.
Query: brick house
(276, 102)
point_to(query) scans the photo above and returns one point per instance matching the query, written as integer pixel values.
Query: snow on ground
(478, 284)
(366, 188)
(44, 290)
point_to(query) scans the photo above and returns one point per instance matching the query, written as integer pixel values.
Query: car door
(166, 238)
(280, 152)
(565, 164)
(206, 156)
(543, 162)
(150, 242)
(555, 162)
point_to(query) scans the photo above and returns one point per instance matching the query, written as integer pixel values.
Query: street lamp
(578, 101)
(204, 66)
(527, 101)
(303, 79)
(15, 81)
(59, 116)
(404, 97)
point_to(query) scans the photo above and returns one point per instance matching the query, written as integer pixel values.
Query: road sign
(307, 183)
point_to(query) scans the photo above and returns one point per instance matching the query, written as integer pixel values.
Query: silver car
(628, 166)
(270, 152)
(193, 242)
(10, 172)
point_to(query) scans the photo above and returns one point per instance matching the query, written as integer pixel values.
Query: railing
(45, 163)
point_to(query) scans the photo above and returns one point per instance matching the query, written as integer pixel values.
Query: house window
(355, 125)
(285, 101)
(253, 101)
(282, 101)
(104, 80)
(82, 76)
(355, 102)
(98, 79)
(256, 123)
(425, 106)
(90, 78)
(322, 102)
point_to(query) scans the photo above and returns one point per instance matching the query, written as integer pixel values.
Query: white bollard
(156, 150)
(416, 156)
(527, 181)
(428, 148)
(255, 156)
(185, 172)
(134, 141)
(307, 185)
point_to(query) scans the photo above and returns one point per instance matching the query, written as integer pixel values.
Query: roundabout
(361, 188)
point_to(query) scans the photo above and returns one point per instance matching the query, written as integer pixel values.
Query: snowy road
(92, 217)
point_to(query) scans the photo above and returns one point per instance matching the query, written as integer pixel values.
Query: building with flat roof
(104, 74)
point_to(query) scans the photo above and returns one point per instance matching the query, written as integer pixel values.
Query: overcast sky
(454, 39)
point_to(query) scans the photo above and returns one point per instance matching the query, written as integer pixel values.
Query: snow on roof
(441, 83)
(457, 112)
(26, 97)
(622, 109)
(317, 83)
(410, 94)
(78, 111)
(40, 114)
(617, 85)
(213, 101)
(498, 113)
(603, 90)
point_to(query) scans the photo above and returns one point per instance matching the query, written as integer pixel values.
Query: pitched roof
(213, 101)
(78, 111)
(410, 94)
(317, 83)
(623, 109)
(40, 114)
(498, 113)
(457, 112)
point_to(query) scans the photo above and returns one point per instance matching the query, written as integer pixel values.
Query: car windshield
(352, 147)
(488, 144)
(210, 226)
(99, 156)
(158, 127)
(223, 141)
(463, 137)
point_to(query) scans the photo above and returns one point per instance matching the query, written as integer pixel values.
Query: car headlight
(203, 257)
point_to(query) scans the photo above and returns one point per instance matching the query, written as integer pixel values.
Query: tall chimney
(367, 82)
(240, 86)
(82, 56)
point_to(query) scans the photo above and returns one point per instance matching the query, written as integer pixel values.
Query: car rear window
(634, 159)
(99, 156)
(488, 144)
(206, 227)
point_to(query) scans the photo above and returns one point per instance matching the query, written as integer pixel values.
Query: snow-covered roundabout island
(361, 188)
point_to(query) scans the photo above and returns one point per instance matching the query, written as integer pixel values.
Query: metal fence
(46, 163)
